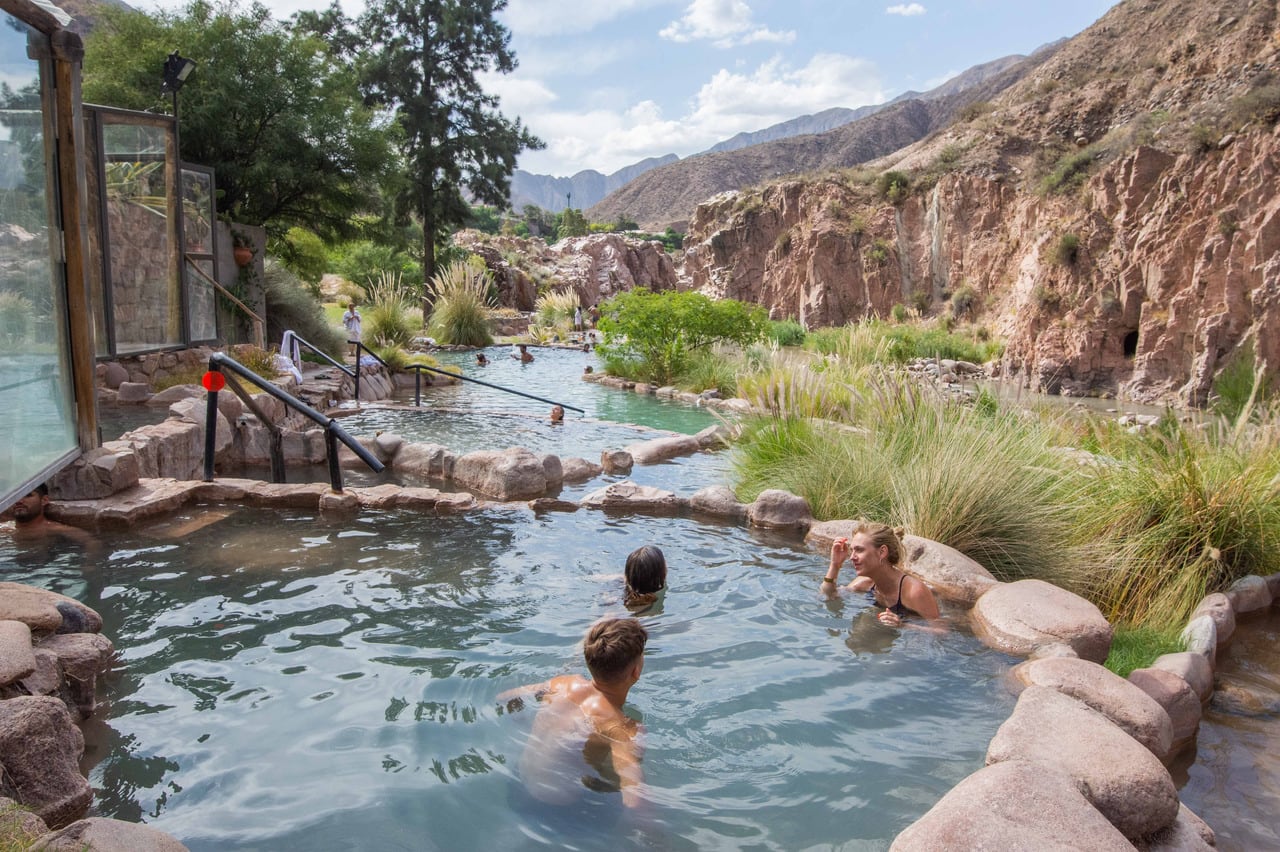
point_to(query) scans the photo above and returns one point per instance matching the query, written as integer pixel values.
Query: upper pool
(291, 683)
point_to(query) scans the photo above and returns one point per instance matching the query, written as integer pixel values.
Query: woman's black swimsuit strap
(897, 608)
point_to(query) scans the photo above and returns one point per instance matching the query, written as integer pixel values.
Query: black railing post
(417, 388)
(331, 450)
(210, 426)
(359, 347)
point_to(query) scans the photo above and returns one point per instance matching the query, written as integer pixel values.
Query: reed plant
(461, 295)
(879, 342)
(15, 835)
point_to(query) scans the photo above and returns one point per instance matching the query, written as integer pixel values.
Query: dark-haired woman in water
(645, 576)
(876, 553)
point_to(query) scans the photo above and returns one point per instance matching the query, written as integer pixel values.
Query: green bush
(899, 312)
(1240, 388)
(786, 332)
(962, 301)
(290, 305)
(363, 261)
(460, 317)
(555, 309)
(893, 186)
(658, 332)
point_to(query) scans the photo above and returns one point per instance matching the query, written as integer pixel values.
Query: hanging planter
(243, 255)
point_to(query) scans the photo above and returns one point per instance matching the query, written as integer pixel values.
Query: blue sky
(606, 83)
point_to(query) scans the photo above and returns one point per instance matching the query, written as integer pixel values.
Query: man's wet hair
(42, 489)
(612, 646)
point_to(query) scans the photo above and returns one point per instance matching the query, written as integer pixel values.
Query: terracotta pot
(243, 255)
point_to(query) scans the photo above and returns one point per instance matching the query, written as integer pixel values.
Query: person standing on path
(351, 322)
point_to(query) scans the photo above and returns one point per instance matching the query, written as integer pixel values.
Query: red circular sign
(213, 381)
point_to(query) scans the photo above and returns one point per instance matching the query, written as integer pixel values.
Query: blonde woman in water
(876, 553)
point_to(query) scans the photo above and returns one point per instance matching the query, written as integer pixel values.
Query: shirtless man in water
(31, 525)
(581, 720)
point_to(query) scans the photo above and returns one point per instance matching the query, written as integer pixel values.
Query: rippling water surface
(288, 683)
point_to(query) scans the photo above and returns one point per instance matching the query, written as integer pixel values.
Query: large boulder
(97, 834)
(1117, 774)
(512, 474)
(951, 574)
(81, 658)
(616, 461)
(40, 749)
(196, 410)
(1019, 617)
(575, 470)
(97, 474)
(17, 657)
(780, 510)
(660, 449)
(44, 611)
(425, 460)
(1217, 607)
(718, 501)
(1133, 710)
(1188, 833)
(1249, 594)
(628, 495)
(1177, 698)
(1191, 667)
(1012, 807)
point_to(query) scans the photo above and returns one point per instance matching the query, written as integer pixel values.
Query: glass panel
(197, 211)
(201, 301)
(37, 417)
(145, 291)
(93, 260)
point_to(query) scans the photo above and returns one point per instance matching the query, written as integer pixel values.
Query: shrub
(782, 245)
(962, 301)
(659, 331)
(1067, 250)
(709, 370)
(460, 291)
(389, 320)
(363, 261)
(1261, 104)
(975, 110)
(879, 252)
(786, 332)
(1240, 388)
(1228, 224)
(893, 186)
(899, 312)
(290, 305)
(1069, 173)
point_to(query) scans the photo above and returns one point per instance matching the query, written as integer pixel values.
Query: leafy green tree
(485, 218)
(274, 112)
(541, 223)
(659, 331)
(423, 59)
(572, 224)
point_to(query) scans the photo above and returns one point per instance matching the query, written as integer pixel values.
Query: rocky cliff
(1115, 215)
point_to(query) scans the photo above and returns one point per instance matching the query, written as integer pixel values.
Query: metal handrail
(420, 367)
(352, 374)
(333, 432)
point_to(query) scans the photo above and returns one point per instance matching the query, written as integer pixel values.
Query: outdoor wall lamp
(176, 71)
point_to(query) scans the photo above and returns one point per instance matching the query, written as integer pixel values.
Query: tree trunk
(428, 254)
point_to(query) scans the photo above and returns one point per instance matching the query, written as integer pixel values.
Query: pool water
(1234, 782)
(290, 683)
(467, 417)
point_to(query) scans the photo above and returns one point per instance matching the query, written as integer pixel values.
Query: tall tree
(423, 59)
(272, 110)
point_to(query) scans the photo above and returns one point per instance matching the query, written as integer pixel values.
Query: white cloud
(724, 23)
(540, 18)
(906, 10)
(728, 103)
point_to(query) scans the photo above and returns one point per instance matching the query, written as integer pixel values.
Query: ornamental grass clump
(987, 483)
(555, 310)
(1181, 513)
(461, 293)
(388, 320)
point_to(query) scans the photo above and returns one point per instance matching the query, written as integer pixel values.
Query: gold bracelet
(827, 580)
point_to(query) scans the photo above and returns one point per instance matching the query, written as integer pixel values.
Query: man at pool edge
(583, 719)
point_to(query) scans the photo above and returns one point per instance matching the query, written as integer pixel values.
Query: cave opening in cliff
(1131, 344)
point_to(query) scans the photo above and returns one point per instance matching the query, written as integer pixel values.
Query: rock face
(596, 267)
(1160, 271)
(512, 474)
(107, 835)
